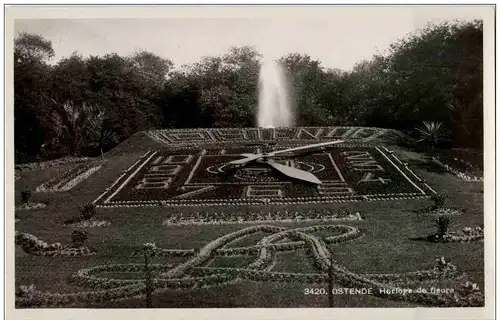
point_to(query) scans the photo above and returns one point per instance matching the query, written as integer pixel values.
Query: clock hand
(249, 154)
(310, 146)
(248, 158)
(294, 172)
(251, 157)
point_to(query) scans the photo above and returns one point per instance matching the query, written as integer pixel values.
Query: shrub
(432, 133)
(343, 213)
(78, 237)
(443, 223)
(88, 211)
(439, 200)
(25, 196)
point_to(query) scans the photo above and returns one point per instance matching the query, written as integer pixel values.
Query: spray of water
(275, 108)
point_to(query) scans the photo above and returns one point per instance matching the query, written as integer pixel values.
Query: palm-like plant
(80, 125)
(102, 136)
(432, 132)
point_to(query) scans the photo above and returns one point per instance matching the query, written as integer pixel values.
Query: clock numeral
(334, 189)
(362, 161)
(305, 134)
(166, 169)
(193, 191)
(370, 177)
(259, 191)
(178, 159)
(154, 182)
(163, 171)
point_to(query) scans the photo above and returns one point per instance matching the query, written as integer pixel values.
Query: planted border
(70, 178)
(221, 217)
(462, 175)
(32, 245)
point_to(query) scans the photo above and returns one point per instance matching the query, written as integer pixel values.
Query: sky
(338, 40)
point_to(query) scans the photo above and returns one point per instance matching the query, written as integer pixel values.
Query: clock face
(202, 176)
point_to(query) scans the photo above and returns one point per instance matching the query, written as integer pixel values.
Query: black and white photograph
(196, 157)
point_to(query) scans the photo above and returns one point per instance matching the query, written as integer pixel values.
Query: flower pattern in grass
(196, 272)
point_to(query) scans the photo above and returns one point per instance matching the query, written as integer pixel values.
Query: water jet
(275, 107)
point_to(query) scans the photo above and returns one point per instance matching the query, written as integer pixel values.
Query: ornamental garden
(163, 221)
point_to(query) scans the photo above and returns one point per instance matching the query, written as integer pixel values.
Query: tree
(308, 79)
(149, 250)
(424, 69)
(151, 68)
(31, 93)
(32, 48)
(367, 94)
(331, 96)
(180, 102)
(245, 63)
(150, 75)
(86, 105)
(467, 102)
(216, 91)
(117, 89)
(331, 278)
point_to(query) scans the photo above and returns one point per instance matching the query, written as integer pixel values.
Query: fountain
(275, 108)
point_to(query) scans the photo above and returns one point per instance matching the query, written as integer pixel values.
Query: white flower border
(463, 176)
(262, 217)
(89, 224)
(123, 176)
(31, 206)
(82, 175)
(48, 164)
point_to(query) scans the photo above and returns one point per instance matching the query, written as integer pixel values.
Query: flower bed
(466, 174)
(195, 179)
(467, 234)
(444, 211)
(70, 178)
(89, 224)
(312, 215)
(30, 206)
(195, 274)
(32, 245)
(183, 253)
(48, 164)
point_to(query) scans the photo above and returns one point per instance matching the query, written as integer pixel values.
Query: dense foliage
(82, 106)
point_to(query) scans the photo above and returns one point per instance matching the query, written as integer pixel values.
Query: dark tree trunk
(330, 284)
